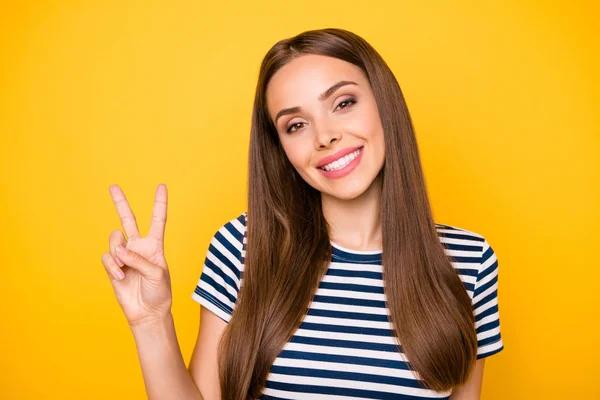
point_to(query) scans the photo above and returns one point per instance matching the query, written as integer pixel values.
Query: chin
(347, 192)
(343, 189)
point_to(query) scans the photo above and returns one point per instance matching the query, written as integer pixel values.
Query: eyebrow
(323, 96)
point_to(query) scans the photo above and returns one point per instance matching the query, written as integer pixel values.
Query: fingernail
(119, 262)
(119, 249)
(119, 274)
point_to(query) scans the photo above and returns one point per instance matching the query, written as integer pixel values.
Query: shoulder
(456, 239)
(231, 235)
(226, 249)
(451, 231)
(218, 286)
(469, 252)
(234, 228)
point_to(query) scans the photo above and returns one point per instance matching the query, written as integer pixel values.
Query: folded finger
(115, 238)
(111, 267)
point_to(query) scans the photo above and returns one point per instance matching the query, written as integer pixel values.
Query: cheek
(296, 154)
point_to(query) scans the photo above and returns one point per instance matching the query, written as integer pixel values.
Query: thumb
(135, 260)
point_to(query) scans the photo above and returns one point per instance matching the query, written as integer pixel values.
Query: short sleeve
(219, 283)
(485, 304)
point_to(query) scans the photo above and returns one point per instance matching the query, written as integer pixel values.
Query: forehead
(304, 78)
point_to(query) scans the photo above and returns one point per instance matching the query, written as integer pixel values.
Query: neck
(355, 224)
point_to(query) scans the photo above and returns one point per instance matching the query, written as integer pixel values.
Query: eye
(288, 130)
(345, 104)
(348, 101)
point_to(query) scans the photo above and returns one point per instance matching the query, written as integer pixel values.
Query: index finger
(127, 218)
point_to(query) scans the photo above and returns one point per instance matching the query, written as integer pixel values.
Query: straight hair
(288, 244)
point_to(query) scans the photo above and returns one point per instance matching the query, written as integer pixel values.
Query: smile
(342, 166)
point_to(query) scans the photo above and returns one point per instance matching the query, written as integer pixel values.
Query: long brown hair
(288, 245)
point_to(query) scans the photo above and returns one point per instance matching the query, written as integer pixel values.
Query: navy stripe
(485, 286)
(465, 259)
(211, 282)
(328, 390)
(354, 274)
(203, 293)
(489, 353)
(347, 315)
(351, 287)
(487, 341)
(487, 312)
(469, 286)
(344, 359)
(488, 326)
(461, 247)
(218, 270)
(354, 260)
(345, 375)
(493, 295)
(466, 271)
(230, 248)
(349, 344)
(360, 330)
(349, 301)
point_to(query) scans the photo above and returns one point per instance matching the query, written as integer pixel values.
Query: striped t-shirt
(344, 348)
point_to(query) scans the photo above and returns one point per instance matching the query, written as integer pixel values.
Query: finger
(136, 261)
(116, 237)
(159, 215)
(127, 218)
(111, 267)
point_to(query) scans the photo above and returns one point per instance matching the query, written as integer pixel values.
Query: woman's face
(328, 123)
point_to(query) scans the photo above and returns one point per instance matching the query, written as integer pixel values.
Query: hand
(144, 292)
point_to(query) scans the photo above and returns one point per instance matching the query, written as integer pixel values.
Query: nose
(325, 137)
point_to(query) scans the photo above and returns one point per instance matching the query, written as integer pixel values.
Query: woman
(337, 210)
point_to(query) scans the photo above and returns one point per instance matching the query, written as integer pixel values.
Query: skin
(322, 127)
(319, 128)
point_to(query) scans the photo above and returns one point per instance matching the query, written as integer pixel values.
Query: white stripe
(355, 337)
(239, 227)
(490, 347)
(348, 266)
(283, 394)
(210, 306)
(215, 293)
(488, 333)
(344, 351)
(219, 279)
(232, 259)
(485, 320)
(351, 294)
(485, 293)
(468, 242)
(347, 322)
(486, 306)
(462, 253)
(349, 308)
(343, 383)
(345, 367)
(459, 231)
(353, 280)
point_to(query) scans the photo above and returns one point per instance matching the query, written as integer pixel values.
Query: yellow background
(505, 101)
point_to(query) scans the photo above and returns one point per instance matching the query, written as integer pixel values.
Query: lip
(340, 173)
(336, 156)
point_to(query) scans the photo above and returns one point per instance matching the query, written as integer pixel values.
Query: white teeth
(342, 162)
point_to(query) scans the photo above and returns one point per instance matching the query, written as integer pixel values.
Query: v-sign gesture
(137, 266)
